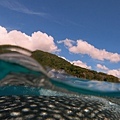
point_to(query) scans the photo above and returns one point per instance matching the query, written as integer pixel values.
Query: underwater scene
(29, 92)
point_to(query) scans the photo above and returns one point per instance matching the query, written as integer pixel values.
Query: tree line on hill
(53, 61)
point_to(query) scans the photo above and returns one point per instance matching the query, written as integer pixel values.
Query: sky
(84, 32)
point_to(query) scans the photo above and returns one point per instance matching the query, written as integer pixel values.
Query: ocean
(22, 76)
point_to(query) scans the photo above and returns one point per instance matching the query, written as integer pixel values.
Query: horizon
(85, 33)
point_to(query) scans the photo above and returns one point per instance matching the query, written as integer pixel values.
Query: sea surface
(22, 75)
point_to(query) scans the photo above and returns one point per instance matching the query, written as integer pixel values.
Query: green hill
(53, 61)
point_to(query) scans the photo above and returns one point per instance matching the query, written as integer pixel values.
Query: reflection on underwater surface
(18, 70)
(22, 75)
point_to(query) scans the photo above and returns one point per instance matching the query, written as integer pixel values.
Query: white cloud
(37, 40)
(114, 72)
(102, 67)
(77, 63)
(83, 47)
(81, 64)
(16, 6)
(67, 42)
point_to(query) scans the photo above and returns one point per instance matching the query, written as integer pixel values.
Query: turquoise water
(25, 87)
(20, 76)
(67, 82)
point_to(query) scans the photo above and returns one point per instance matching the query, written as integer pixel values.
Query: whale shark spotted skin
(55, 108)
(45, 106)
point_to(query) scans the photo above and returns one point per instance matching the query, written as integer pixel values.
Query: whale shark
(17, 104)
(27, 107)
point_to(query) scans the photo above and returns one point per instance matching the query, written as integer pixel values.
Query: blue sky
(85, 32)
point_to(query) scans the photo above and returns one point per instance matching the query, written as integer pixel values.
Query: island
(53, 61)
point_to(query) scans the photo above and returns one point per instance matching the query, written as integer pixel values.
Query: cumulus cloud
(37, 41)
(102, 67)
(82, 47)
(81, 64)
(114, 72)
(67, 42)
(77, 63)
